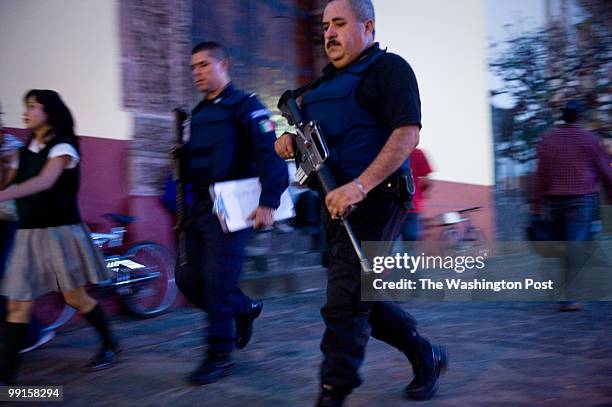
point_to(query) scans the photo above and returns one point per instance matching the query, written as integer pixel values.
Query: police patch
(266, 126)
(259, 113)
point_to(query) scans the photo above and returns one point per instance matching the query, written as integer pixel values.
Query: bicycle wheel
(150, 290)
(51, 311)
(450, 241)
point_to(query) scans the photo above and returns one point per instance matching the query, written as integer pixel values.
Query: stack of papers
(234, 201)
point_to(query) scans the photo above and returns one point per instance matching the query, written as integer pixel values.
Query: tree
(542, 69)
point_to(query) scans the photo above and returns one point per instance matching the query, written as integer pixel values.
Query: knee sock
(97, 318)
(13, 338)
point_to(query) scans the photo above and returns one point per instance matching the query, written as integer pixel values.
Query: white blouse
(56, 151)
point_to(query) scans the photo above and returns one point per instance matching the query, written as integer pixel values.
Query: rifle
(180, 117)
(312, 152)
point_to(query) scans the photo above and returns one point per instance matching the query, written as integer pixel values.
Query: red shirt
(571, 161)
(420, 168)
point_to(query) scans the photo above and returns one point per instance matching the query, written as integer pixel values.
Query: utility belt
(398, 187)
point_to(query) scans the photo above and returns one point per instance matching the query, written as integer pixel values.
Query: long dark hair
(59, 116)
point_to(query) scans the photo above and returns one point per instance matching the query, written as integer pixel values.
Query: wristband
(360, 187)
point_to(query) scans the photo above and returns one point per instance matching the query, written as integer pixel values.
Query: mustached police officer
(368, 108)
(231, 137)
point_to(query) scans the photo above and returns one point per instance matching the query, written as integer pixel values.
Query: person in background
(413, 225)
(571, 166)
(9, 147)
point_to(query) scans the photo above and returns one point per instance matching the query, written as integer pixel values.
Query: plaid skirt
(57, 259)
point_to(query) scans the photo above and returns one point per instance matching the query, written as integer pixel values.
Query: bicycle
(143, 276)
(455, 239)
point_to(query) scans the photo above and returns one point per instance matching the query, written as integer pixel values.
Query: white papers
(234, 201)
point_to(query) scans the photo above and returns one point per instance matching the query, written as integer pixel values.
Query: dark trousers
(349, 322)
(572, 216)
(7, 233)
(571, 221)
(210, 279)
(412, 228)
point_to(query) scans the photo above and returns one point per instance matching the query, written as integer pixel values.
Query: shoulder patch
(259, 113)
(266, 125)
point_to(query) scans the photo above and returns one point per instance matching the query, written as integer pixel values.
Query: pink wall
(104, 179)
(451, 196)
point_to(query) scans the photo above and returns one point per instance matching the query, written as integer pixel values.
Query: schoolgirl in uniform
(52, 250)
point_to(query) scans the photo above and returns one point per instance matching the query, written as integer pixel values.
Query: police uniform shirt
(253, 154)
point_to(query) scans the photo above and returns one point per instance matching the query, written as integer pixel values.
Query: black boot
(213, 368)
(331, 398)
(14, 337)
(244, 324)
(428, 363)
(109, 351)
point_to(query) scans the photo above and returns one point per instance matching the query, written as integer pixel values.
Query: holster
(398, 187)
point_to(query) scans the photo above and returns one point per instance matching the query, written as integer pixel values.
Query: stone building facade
(274, 45)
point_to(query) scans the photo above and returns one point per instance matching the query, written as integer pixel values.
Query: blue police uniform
(355, 138)
(231, 138)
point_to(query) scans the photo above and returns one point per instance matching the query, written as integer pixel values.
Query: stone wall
(268, 41)
(155, 47)
(274, 45)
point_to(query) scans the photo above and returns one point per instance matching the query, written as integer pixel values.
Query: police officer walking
(367, 104)
(231, 137)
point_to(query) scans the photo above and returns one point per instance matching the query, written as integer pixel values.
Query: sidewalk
(502, 354)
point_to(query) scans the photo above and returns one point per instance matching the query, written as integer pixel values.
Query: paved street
(502, 354)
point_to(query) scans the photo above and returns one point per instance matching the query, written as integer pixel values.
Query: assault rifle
(311, 154)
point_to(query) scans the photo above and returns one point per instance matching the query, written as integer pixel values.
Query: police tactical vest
(212, 148)
(353, 136)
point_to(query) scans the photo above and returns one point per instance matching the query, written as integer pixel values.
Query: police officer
(231, 137)
(367, 104)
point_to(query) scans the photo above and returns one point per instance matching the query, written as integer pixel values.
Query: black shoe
(330, 399)
(244, 324)
(425, 382)
(103, 359)
(570, 306)
(213, 368)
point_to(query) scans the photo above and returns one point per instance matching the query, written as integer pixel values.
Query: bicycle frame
(120, 265)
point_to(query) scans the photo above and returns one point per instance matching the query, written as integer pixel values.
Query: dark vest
(213, 151)
(54, 207)
(353, 136)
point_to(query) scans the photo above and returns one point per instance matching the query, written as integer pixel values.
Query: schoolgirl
(52, 250)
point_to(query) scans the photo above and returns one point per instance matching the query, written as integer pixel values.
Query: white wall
(445, 42)
(71, 46)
